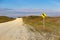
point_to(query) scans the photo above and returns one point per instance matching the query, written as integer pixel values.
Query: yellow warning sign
(43, 15)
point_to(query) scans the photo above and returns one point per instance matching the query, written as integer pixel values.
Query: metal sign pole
(43, 16)
(44, 23)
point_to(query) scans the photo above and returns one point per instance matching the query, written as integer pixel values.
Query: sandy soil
(12, 30)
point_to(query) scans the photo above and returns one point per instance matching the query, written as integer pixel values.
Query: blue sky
(49, 6)
(30, 4)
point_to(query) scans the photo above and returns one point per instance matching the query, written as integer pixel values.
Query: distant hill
(5, 19)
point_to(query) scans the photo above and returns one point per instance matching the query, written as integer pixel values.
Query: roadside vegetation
(5, 19)
(51, 23)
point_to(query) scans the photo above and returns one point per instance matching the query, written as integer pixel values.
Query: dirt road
(13, 30)
(17, 30)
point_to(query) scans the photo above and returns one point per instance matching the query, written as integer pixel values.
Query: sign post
(43, 16)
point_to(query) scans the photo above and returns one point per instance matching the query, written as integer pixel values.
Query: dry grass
(5, 19)
(51, 23)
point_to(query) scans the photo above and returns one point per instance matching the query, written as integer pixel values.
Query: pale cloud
(27, 12)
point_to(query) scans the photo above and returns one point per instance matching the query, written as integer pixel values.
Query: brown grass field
(52, 24)
(5, 19)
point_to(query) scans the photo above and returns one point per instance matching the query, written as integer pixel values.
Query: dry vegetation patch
(5, 19)
(51, 23)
